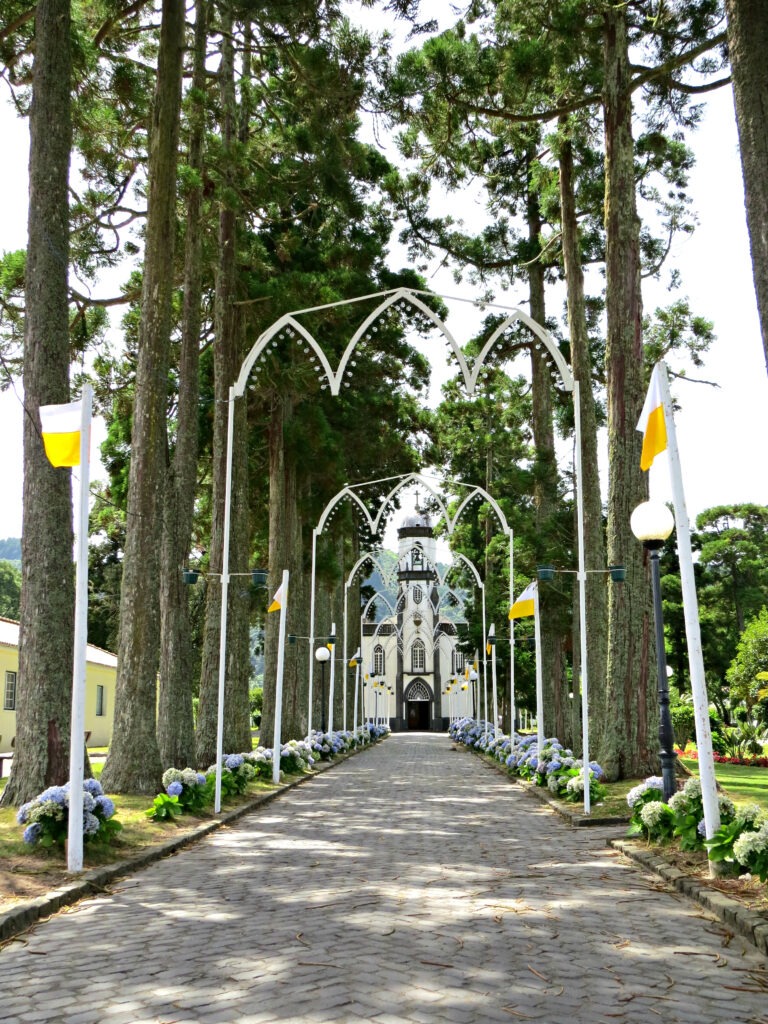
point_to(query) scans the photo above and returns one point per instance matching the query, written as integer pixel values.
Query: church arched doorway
(418, 706)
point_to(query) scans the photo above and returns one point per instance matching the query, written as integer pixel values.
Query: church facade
(414, 675)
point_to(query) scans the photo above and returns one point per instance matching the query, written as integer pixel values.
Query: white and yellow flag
(488, 642)
(278, 600)
(652, 424)
(60, 427)
(525, 604)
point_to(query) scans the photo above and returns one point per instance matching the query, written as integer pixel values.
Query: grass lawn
(743, 784)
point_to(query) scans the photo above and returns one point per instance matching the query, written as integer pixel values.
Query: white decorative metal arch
(400, 298)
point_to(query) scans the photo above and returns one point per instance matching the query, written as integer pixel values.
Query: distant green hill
(10, 549)
(388, 560)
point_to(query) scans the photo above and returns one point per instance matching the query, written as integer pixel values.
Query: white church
(414, 677)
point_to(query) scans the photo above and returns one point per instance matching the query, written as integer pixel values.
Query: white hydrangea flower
(652, 813)
(750, 843)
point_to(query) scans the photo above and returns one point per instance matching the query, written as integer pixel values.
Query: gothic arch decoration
(418, 689)
(289, 330)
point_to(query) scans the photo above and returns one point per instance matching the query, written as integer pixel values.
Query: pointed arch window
(379, 661)
(458, 662)
(418, 595)
(418, 656)
(417, 558)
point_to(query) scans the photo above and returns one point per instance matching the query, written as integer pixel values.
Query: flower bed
(553, 766)
(748, 761)
(741, 841)
(186, 790)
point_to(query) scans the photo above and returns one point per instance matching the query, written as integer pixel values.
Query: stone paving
(411, 883)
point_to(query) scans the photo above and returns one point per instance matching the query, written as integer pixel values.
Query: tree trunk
(175, 727)
(46, 635)
(545, 492)
(628, 744)
(747, 46)
(227, 360)
(133, 763)
(594, 534)
(286, 552)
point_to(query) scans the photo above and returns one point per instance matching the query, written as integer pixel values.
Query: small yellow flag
(489, 645)
(652, 424)
(60, 427)
(525, 604)
(278, 600)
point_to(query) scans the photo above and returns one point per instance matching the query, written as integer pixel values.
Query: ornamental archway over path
(289, 328)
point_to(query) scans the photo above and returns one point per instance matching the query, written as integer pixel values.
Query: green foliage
(10, 590)
(256, 700)
(751, 659)
(164, 808)
(720, 846)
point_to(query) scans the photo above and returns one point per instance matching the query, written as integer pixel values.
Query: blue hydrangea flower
(701, 828)
(58, 794)
(91, 824)
(105, 806)
(233, 761)
(93, 786)
(23, 812)
(200, 779)
(32, 833)
(174, 789)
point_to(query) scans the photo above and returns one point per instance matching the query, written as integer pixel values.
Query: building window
(9, 694)
(100, 702)
(417, 594)
(379, 662)
(417, 558)
(418, 657)
(458, 663)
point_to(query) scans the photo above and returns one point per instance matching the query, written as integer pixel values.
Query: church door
(418, 714)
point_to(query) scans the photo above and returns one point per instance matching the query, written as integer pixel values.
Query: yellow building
(100, 679)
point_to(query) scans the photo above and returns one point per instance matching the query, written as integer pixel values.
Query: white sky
(721, 432)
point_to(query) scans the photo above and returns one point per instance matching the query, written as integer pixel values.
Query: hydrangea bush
(47, 816)
(188, 790)
(554, 766)
(236, 773)
(192, 789)
(743, 842)
(681, 818)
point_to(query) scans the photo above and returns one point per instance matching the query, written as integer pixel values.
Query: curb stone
(27, 912)
(749, 924)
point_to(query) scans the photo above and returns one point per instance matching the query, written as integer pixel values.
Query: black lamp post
(652, 523)
(323, 655)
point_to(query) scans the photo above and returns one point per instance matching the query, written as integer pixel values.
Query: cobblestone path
(410, 883)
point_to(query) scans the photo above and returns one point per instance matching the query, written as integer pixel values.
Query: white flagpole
(493, 679)
(224, 602)
(691, 615)
(311, 670)
(333, 674)
(276, 744)
(512, 700)
(77, 733)
(344, 663)
(485, 676)
(582, 578)
(539, 677)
